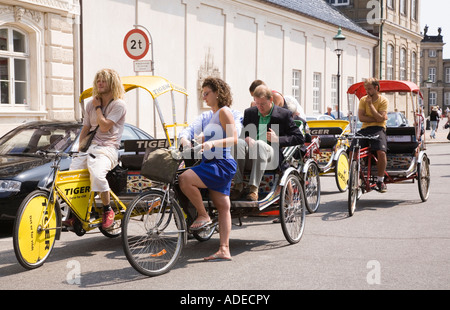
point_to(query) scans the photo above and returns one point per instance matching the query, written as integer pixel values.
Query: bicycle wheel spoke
(152, 233)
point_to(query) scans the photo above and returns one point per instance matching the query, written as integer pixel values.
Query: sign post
(136, 45)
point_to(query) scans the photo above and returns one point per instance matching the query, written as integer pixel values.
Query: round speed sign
(136, 44)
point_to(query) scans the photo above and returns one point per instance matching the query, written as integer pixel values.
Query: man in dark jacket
(267, 128)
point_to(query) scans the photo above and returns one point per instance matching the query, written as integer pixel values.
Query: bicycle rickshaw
(156, 222)
(406, 156)
(67, 196)
(332, 154)
(154, 226)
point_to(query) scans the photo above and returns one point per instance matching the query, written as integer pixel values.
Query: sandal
(216, 258)
(202, 224)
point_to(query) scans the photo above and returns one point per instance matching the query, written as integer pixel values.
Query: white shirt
(115, 111)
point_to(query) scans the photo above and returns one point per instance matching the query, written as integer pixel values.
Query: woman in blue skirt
(217, 167)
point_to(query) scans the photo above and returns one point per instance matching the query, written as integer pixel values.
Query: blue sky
(435, 14)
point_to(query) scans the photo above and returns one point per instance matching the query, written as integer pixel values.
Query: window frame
(414, 10)
(433, 98)
(447, 74)
(334, 91)
(413, 77)
(403, 61)
(13, 57)
(297, 85)
(432, 74)
(390, 61)
(403, 7)
(336, 2)
(390, 4)
(317, 91)
(447, 98)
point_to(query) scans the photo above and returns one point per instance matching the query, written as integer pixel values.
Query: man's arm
(84, 131)
(104, 123)
(377, 116)
(289, 132)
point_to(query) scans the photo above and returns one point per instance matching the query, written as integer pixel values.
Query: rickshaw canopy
(386, 86)
(155, 85)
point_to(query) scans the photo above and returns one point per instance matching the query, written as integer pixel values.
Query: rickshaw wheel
(353, 188)
(342, 172)
(153, 233)
(32, 243)
(292, 209)
(423, 176)
(312, 187)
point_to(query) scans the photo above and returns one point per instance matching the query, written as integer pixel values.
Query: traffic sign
(136, 44)
(143, 66)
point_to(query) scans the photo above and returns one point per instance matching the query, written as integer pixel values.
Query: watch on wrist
(98, 107)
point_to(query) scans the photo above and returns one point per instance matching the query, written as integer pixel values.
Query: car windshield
(30, 139)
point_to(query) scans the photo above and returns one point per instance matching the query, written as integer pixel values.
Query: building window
(402, 64)
(433, 97)
(432, 53)
(447, 99)
(414, 9)
(351, 99)
(316, 92)
(339, 2)
(14, 64)
(334, 90)
(447, 75)
(403, 7)
(390, 4)
(296, 84)
(390, 62)
(432, 74)
(413, 67)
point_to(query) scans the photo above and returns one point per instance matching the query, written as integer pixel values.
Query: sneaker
(382, 188)
(108, 219)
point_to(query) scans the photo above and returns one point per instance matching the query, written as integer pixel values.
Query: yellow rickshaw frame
(341, 146)
(155, 86)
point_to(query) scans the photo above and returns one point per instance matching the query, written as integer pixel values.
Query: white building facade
(287, 44)
(38, 61)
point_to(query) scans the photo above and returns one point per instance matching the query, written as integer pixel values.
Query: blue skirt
(217, 174)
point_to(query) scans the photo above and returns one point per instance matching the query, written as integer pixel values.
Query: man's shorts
(376, 145)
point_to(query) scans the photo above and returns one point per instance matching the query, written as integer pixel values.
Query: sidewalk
(441, 134)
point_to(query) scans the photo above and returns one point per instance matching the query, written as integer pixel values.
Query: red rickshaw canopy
(385, 87)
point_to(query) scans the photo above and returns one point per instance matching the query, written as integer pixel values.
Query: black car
(22, 170)
(397, 119)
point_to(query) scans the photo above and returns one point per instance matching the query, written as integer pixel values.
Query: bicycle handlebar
(60, 154)
(360, 136)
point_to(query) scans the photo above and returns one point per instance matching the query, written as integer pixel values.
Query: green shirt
(263, 122)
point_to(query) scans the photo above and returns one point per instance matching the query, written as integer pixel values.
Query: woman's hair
(113, 81)
(222, 89)
(255, 84)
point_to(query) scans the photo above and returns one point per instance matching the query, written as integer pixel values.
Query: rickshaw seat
(401, 140)
(132, 162)
(328, 136)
